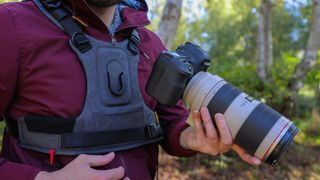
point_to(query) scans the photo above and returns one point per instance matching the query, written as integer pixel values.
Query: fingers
(110, 174)
(197, 124)
(245, 156)
(97, 160)
(211, 131)
(116, 173)
(224, 132)
(224, 142)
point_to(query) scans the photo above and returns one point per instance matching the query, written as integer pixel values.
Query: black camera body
(173, 70)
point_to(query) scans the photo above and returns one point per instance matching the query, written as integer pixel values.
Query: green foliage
(228, 30)
(3, 1)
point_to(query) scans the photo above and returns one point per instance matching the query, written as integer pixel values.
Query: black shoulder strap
(134, 42)
(64, 18)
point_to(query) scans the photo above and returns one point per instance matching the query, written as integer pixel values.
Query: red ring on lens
(264, 156)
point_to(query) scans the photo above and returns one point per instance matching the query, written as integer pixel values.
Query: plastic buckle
(152, 130)
(81, 42)
(51, 4)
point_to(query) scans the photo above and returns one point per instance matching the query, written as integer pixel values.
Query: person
(41, 75)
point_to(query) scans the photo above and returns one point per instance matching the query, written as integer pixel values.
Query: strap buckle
(151, 130)
(81, 42)
(51, 4)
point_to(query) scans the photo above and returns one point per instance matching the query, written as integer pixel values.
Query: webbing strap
(75, 140)
(64, 18)
(134, 41)
(59, 130)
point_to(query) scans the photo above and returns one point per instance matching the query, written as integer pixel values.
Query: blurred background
(268, 48)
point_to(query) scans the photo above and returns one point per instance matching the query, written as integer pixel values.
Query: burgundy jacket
(41, 75)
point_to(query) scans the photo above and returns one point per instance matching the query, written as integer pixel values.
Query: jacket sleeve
(172, 120)
(9, 65)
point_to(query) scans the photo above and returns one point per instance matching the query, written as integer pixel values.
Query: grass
(299, 162)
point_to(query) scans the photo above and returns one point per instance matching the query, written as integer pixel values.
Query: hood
(135, 4)
(133, 16)
(117, 22)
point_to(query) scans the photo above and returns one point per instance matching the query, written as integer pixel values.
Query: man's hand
(205, 138)
(80, 169)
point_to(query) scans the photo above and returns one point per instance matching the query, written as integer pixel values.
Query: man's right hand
(81, 168)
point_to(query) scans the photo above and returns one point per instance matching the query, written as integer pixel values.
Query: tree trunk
(310, 56)
(315, 114)
(307, 63)
(169, 21)
(265, 49)
(268, 29)
(261, 69)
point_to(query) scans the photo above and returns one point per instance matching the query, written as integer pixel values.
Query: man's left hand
(205, 138)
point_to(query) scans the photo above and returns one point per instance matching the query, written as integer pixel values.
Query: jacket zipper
(112, 34)
(113, 39)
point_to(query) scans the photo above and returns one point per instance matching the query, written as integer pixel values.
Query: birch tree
(265, 49)
(309, 59)
(169, 21)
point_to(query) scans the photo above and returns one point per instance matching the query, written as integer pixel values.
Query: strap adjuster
(51, 4)
(81, 42)
(133, 48)
(151, 130)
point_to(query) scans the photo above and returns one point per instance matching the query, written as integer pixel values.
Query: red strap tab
(51, 152)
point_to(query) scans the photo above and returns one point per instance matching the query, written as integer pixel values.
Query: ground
(299, 162)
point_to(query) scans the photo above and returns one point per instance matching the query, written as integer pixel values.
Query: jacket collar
(130, 17)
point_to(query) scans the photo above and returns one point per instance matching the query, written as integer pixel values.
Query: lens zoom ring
(223, 98)
(256, 127)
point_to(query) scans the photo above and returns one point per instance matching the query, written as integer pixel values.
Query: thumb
(99, 160)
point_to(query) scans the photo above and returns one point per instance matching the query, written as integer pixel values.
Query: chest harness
(114, 116)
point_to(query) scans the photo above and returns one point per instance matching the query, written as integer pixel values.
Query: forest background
(269, 49)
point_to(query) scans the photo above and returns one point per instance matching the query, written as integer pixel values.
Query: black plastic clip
(152, 130)
(81, 42)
